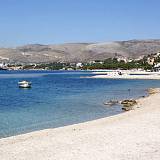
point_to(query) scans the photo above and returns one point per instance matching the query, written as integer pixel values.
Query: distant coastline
(126, 55)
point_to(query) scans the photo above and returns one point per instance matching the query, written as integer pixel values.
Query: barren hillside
(78, 52)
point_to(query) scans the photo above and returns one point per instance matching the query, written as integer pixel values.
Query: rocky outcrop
(111, 102)
(153, 90)
(128, 104)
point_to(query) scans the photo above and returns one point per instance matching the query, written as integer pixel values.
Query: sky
(67, 21)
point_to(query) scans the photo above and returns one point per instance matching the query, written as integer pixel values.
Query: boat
(24, 84)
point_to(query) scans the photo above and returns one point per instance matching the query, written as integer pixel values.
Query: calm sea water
(59, 98)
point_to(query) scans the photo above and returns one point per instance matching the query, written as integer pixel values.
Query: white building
(78, 65)
(157, 65)
(2, 65)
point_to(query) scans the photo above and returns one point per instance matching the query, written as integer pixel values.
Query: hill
(78, 52)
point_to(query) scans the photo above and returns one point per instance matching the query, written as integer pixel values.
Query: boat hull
(24, 86)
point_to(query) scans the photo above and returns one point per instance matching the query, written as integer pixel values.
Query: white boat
(24, 84)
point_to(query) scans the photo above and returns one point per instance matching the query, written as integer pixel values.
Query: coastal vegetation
(150, 62)
(48, 66)
(110, 63)
(113, 63)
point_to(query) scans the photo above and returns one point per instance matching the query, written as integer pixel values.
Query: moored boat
(24, 84)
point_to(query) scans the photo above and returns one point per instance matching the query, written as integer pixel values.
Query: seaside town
(150, 62)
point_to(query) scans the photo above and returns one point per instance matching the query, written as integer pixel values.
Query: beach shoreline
(126, 74)
(143, 77)
(130, 135)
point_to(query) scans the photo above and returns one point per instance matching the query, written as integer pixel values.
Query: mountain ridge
(78, 52)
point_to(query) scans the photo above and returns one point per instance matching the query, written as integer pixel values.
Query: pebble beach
(132, 135)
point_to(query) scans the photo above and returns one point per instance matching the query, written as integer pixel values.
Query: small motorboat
(24, 84)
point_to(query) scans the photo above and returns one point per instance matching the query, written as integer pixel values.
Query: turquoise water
(59, 98)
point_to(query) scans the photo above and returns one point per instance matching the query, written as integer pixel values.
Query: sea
(60, 98)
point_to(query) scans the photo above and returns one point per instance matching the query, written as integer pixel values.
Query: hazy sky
(59, 21)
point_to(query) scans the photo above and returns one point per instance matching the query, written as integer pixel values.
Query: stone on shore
(153, 90)
(128, 104)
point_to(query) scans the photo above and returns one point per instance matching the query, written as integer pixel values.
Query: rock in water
(128, 104)
(111, 103)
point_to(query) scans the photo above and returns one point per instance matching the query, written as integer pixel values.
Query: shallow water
(60, 98)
